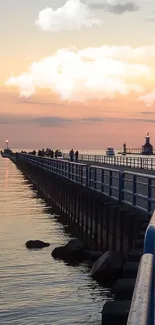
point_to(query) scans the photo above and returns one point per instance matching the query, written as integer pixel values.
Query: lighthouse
(124, 148)
(147, 148)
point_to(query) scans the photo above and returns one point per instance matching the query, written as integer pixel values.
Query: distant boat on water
(110, 151)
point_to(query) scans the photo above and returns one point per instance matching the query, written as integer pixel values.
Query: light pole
(7, 143)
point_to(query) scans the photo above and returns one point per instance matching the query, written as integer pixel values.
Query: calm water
(34, 288)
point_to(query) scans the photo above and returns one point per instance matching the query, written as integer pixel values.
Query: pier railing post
(151, 164)
(81, 175)
(69, 170)
(95, 177)
(90, 177)
(87, 175)
(102, 180)
(121, 186)
(76, 173)
(110, 183)
(149, 207)
(134, 199)
(141, 163)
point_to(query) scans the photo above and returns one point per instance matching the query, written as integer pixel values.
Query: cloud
(151, 19)
(123, 53)
(44, 121)
(149, 98)
(94, 73)
(147, 112)
(113, 6)
(52, 121)
(26, 101)
(61, 122)
(150, 15)
(73, 15)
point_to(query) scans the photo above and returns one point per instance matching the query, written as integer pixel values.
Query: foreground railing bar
(105, 168)
(63, 160)
(140, 306)
(140, 196)
(136, 206)
(107, 194)
(138, 174)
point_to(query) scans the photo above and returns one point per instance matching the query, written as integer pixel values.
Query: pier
(112, 208)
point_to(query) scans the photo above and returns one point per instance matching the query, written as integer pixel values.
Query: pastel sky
(77, 73)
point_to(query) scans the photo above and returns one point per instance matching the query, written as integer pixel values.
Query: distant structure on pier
(124, 148)
(147, 148)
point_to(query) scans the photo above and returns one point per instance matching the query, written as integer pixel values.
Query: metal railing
(134, 189)
(76, 172)
(142, 310)
(124, 161)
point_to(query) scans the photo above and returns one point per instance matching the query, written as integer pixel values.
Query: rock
(31, 244)
(73, 250)
(75, 245)
(107, 267)
(59, 252)
(92, 255)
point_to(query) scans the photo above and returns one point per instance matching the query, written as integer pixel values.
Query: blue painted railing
(142, 311)
(135, 189)
(124, 161)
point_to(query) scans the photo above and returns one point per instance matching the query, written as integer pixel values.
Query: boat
(110, 151)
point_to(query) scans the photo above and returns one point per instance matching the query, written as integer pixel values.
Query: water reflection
(6, 172)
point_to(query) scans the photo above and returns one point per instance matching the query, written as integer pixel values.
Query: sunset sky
(77, 73)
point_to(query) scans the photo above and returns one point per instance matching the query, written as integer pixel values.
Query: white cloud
(73, 15)
(149, 99)
(125, 53)
(114, 6)
(82, 75)
(151, 19)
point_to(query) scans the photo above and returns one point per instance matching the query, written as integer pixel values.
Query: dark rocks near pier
(36, 244)
(108, 267)
(74, 250)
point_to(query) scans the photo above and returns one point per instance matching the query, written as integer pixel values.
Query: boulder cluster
(106, 266)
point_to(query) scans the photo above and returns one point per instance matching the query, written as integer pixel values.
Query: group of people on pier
(73, 156)
(50, 153)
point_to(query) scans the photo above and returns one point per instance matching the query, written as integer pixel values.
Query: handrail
(126, 187)
(140, 310)
(105, 168)
(142, 306)
(137, 174)
(149, 242)
(126, 161)
(63, 160)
